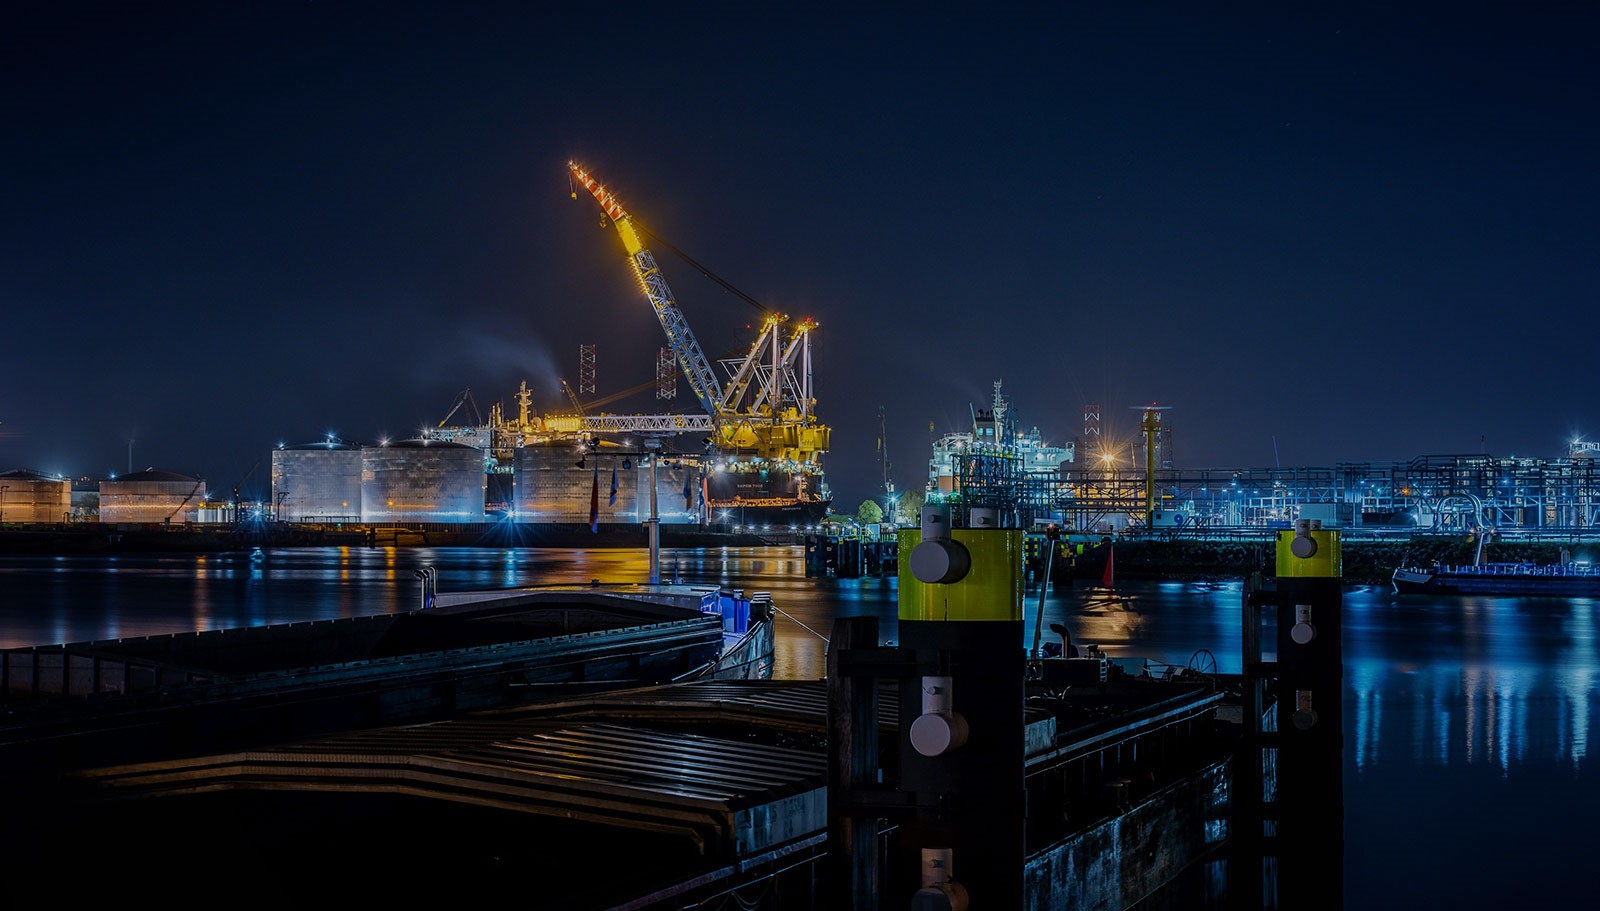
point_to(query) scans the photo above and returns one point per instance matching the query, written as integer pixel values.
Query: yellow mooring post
(994, 593)
(1309, 692)
(962, 690)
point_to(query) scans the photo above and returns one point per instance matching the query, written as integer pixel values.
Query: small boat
(1566, 580)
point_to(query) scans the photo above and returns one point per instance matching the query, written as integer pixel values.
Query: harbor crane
(702, 381)
(766, 408)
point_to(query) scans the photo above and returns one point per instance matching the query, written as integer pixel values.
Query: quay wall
(1365, 562)
(1113, 865)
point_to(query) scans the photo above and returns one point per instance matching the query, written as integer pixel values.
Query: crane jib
(696, 367)
(607, 201)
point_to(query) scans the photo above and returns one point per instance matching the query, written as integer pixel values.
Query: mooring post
(852, 763)
(962, 761)
(1310, 691)
(1288, 796)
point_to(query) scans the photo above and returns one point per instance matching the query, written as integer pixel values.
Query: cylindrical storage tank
(557, 481)
(679, 497)
(422, 481)
(317, 482)
(28, 496)
(151, 496)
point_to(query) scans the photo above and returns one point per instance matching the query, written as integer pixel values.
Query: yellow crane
(766, 410)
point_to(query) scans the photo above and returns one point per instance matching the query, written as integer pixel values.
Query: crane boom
(696, 368)
(572, 397)
(464, 398)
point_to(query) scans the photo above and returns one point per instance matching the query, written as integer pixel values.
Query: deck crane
(464, 398)
(696, 367)
(764, 434)
(577, 406)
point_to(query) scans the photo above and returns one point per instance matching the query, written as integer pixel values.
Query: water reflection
(1497, 681)
(1433, 682)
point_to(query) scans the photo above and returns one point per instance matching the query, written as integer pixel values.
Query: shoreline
(1173, 559)
(91, 538)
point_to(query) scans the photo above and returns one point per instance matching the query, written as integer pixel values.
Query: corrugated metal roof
(724, 794)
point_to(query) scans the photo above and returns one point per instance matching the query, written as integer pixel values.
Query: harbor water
(1467, 779)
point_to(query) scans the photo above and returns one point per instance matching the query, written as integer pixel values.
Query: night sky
(1318, 233)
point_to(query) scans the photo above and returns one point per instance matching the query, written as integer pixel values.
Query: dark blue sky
(1357, 232)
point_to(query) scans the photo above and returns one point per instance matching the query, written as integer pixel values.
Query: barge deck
(646, 798)
(73, 705)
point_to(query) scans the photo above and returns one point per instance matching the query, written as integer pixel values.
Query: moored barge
(1561, 580)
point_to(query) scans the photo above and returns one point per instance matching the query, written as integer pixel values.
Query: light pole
(653, 447)
(3, 489)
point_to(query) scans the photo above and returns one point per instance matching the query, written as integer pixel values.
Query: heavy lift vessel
(760, 464)
(763, 455)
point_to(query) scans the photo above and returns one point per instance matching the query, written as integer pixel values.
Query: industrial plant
(1091, 486)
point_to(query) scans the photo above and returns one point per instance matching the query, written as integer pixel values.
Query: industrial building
(1451, 492)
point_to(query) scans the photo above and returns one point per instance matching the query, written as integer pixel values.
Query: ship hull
(779, 516)
(762, 496)
(1497, 580)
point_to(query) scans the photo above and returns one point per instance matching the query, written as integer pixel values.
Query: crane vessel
(750, 458)
(762, 460)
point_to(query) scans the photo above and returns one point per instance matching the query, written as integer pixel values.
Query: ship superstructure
(996, 458)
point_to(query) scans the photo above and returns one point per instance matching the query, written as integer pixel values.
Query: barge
(682, 794)
(1558, 580)
(68, 705)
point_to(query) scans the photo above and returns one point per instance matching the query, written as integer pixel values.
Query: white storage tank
(555, 482)
(679, 494)
(422, 481)
(317, 482)
(28, 496)
(150, 496)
